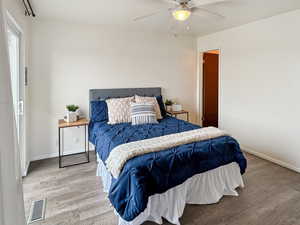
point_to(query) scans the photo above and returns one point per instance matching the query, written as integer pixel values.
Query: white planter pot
(78, 113)
(71, 117)
(176, 107)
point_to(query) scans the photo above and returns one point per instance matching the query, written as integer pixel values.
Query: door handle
(21, 108)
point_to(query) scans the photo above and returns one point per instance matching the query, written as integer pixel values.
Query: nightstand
(86, 155)
(176, 113)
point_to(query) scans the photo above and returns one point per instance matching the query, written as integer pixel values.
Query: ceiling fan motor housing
(182, 1)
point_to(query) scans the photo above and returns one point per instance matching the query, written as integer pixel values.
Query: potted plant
(72, 113)
(169, 104)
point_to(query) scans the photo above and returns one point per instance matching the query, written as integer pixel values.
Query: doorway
(210, 95)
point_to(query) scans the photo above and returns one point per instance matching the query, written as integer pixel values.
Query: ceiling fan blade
(206, 2)
(152, 14)
(197, 10)
(145, 16)
(171, 2)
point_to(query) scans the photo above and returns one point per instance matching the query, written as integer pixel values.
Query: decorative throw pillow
(143, 113)
(161, 106)
(141, 99)
(119, 110)
(98, 111)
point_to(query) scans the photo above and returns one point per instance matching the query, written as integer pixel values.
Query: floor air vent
(37, 211)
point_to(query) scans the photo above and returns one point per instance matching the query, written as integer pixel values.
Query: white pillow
(119, 110)
(141, 99)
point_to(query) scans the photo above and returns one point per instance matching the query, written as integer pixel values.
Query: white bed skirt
(204, 188)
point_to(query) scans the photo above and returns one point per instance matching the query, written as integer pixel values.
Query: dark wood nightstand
(175, 113)
(61, 126)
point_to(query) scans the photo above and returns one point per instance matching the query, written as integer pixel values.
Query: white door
(11, 195)
(14, 49)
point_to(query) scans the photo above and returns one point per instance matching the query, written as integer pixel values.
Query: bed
(159, 184)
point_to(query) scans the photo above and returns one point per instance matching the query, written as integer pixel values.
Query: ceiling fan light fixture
(181, 14)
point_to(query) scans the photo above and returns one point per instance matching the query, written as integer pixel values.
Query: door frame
(13, 24)
(200, 84)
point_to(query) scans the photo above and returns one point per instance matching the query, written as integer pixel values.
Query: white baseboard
(55, 154)
(26, 169)
(271, 159)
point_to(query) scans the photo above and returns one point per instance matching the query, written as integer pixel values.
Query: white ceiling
(120, 13)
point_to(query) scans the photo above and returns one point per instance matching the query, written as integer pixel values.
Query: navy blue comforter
(157, 172)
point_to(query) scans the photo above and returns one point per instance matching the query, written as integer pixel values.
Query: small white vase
(176, 107)
(71, 117)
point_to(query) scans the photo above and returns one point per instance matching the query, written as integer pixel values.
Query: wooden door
(210, 89)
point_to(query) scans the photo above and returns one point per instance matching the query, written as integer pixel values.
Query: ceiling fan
(184, 8)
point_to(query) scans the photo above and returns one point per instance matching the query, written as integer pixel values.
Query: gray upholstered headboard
(102, 94)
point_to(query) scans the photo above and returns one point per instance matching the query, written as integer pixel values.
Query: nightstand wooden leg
(85, 139)
(59, 150)
(86, 145)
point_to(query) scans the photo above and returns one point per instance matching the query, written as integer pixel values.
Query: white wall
(68, 60)
(259, 78)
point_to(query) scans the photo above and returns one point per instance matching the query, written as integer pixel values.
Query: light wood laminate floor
(74, 197)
